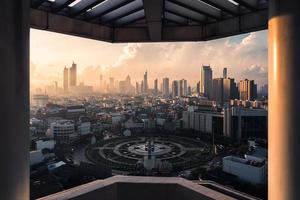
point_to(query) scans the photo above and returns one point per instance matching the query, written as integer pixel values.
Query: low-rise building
(249, 169)
(235, 122)
(62, 130)
(36, 157)
(45, 144)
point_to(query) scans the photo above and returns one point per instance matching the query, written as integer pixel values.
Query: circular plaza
(126, 153)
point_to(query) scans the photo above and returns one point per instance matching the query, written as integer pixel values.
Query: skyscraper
(185, 87)
(145, 83)
(111, 84)
(175, 89)
(217, 90)
(198, 87)
(189, 92)
(125, 86)
(137, 88)
(247, 89)
(101, 83)
(206, 81)
(66, 79)
(73, 75)
(224, 72)
(142, 86)
(264, 90)
(156, 86)
(165, 87)
(229, 89)
(182, 87)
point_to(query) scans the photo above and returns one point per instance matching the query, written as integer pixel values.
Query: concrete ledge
(145, 188)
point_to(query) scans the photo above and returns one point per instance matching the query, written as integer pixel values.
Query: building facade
(73, 75)
(165, 87)
(206, 80)
(247, 90)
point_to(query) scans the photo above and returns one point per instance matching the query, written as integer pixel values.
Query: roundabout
(127, 154)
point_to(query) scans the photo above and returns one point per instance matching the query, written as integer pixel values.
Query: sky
(245, 56)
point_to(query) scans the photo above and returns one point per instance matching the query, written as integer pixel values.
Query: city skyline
(119, 60)
(220, 89)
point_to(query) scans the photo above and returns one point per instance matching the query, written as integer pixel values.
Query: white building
(160, 121)
(116, 118)
(149, 123)
(36, 157)
(62, 130)
(235, 122)
(48, 144)
(250, 169)
(238, 120)
(84, 128)
(131, 124)
(39, 100)
(200, 120)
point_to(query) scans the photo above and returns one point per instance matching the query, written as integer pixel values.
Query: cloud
(90, 75)
(255, 70)
(129, 52)
(243, 55)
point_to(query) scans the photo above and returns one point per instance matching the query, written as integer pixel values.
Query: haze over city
(245, 56)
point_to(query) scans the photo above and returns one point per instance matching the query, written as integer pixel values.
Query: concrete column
(14, 99)
(284, 99)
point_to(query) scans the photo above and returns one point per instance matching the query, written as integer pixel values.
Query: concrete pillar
(284, 99)
(14, 99)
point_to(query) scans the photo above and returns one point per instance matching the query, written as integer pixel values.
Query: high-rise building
(125, 86)
(156, 86)
(264, 90)
(56, 87)
(182, 87)
(105, 87)
(73, 75)
(185, 88)
(189, 91)
(198, 87)
(145, 83)
(101, 82)
(175, 89)
(224, 72)
(217, 90)
(247, 90)
(111, 84)
(137, 88)
(66, 79)
(206, 81)
(142, 87)
(229, 89)
(165, 87)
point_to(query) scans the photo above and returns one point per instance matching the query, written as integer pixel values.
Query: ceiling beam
(179, 3)
(60, 7)
(174, 21)
(110, 10)
(44, 20)
(37, 3)
(133, 21)
(184, 16)
(86, 8)
(220, 7)
(244, 23)
(153, 13)
(247, 5)
(111, 20)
